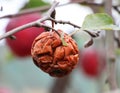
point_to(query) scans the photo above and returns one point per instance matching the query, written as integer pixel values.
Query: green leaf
(110, 27)
(34, 3)
(99, 21)
(81, 37)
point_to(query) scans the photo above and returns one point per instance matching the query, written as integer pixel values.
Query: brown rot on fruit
(52, 56)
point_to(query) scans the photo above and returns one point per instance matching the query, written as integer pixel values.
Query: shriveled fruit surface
(54, 58)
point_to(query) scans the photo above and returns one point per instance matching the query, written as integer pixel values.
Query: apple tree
(58, 53)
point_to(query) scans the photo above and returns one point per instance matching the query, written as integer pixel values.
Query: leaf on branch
(110, 27)
(34, 3)
(82, 38)
(99, 21)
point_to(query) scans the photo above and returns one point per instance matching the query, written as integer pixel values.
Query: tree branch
(27, 11)
(110, 49)
(44, 8)
(64, 22)
(32, 10)
(39, 23)
(35, 23)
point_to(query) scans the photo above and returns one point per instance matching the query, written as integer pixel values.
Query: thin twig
(46, 7)
(39, 23)
(92, 34)
(27, 11)
(33, 10)
(45, 26)
(35, 23)
(64, 22)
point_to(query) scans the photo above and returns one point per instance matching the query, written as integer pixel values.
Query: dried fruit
(50, 55)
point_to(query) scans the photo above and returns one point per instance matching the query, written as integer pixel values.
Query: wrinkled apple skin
(22, 45)
(51, 56)
(93, 62)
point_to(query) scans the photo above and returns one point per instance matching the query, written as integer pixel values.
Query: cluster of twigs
(39, 23)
